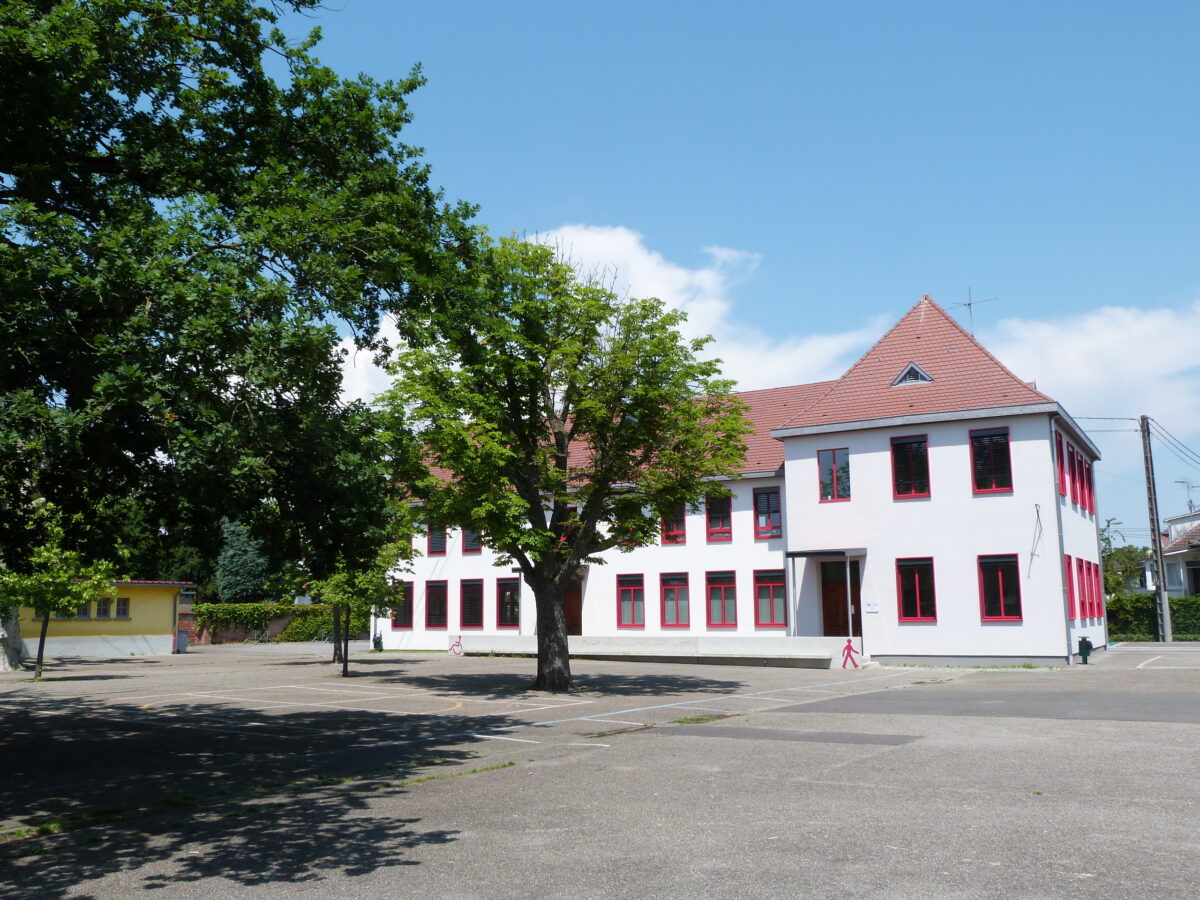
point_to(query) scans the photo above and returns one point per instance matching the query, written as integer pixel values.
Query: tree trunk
(337, 632)
(346, 645)
(11, 649)
(554, 658)
(37, 672)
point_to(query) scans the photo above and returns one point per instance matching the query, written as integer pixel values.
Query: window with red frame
(1071, 611)
(402, 605)
(676, 611)
(436, 593)
(915, 591)
(1073, 466)
(770, 599)
(991, 461)
(436, 543)
(768, 515)
(1090, 486)
(1081, 580)
(833, 467)
(721, 588)
(471, 541)
(719, 516)
(1062, 463)
(674, 527)
(910, 466)
(631, 601)
(1098, 576)
(999, 588)
(470, 603)
(508, 603)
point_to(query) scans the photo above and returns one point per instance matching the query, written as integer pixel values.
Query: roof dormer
(912, 374)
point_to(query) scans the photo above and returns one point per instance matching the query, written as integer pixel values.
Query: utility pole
(1163, 605)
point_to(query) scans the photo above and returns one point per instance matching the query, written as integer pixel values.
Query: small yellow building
(140, 620)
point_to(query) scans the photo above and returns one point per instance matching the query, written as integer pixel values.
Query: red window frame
(402, 608)
(432, 588)
(669, 600)
(1101, 611)
(722, 531)
(438, 547)
(1081, 580)
(1062, 463)
(834, 488)
(675, 531)
(503, 620)
(471, 542)
(728, 604)
(1073, 466)
(914, 564)
(977, 435)
(773, 526)
(629, 587)
(998, 560)
(1071, 610)
(476, 601)
(775, 581)
(1089, 487)
(908, 440)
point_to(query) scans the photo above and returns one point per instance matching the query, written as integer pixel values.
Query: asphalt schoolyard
(258, 771)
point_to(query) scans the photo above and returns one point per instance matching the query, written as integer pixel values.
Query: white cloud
(361, 378)
(751, 357)
(1118, 362)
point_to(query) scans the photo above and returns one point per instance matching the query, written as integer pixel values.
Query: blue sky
(796, 175)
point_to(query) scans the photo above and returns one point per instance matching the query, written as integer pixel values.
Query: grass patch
(696, 720)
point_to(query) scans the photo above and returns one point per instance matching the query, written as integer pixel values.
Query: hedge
(1131, 617)
(308, 623)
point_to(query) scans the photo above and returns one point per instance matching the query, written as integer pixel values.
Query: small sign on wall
(871, 606)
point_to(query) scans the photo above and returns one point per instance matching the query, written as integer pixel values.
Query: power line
(1170, 437)
(1185, 454)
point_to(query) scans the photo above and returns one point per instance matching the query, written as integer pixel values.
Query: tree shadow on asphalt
(505, 685)
(193, 791)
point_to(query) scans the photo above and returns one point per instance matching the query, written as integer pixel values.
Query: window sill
(978, 491)
(836, 500)
(904, 621)
(1002, 619)
(925, 496)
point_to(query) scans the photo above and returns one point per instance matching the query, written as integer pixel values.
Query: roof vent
(912, 374)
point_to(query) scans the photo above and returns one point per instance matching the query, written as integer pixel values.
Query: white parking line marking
(1150, 660)
(500, 737)
(617, 721)
(580, 744)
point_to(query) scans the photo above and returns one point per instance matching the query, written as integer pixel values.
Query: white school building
(927, 506)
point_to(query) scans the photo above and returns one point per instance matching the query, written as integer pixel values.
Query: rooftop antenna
(970, 305)
(1188, 485)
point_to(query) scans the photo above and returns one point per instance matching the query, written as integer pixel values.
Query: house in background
(929, 506)
(141, 620)
(1181, 556)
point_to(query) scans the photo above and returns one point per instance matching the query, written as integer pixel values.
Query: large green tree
(570, 421)
(183, 239)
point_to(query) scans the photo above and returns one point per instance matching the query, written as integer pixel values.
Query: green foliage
(56, 580)
(552, 392)
(251, 616)
(1132, 617)
(181, 237)
(242, 569)
(312, 623)
(1123, 566)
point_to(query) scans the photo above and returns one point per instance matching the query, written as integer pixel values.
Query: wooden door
(573, 608)
(833, 599)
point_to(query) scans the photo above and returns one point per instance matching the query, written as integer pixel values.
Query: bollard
(1085, 650)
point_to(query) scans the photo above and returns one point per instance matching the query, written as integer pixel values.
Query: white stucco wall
(953, 526)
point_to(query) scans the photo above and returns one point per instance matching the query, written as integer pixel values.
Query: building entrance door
(837, 622)
(573, 608)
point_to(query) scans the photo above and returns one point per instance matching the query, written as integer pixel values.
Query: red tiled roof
(768, 409)
(965, 376)
(1181, 543)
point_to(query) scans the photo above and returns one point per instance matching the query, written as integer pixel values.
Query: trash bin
(1085, 650)
(181, 641)
(377, 642)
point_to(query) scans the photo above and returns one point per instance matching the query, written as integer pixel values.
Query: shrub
(311, 623)
(1131, 617)
(251, 616)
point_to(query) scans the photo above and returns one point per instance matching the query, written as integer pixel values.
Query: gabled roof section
(964, 375)
(1189, 540)
(768, 409)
